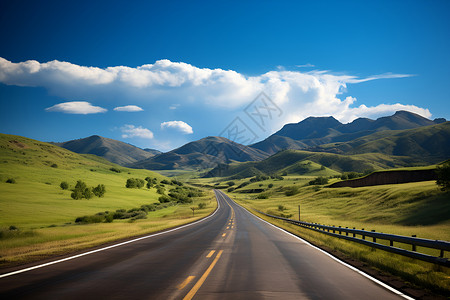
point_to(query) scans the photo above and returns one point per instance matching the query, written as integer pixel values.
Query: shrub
(87, 193)
(291, 191)
(134, 183)
(160, 190)
(77, 194)
(99, 190)
(201, 205)
(230, 183)
(230, 189)
(54, 166)
(10, 180)
(319, 181)
(115, 170)
(443, 176)
(281, 208)
(164, 199)
(165, 181)
(270, 185)
(64, 185)
(262, 196)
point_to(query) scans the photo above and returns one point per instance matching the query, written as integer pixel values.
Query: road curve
(231, 254)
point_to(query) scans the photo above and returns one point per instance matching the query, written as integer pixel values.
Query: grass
(418, 208)
(45, 214)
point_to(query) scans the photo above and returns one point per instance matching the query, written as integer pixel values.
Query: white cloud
(76, 107)
(212, 91)
(174, 106)
(130, 131)
(128, 108)
(178, 125)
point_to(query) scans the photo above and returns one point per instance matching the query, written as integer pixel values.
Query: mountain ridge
(315, 131)
(112, 150)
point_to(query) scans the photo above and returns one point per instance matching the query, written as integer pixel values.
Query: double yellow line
(202, 279)
(205, 275)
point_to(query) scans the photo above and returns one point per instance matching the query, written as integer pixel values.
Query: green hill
(296, 162)
(36, 200)
(114, 151)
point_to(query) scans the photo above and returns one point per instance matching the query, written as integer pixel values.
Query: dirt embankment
(388, 177)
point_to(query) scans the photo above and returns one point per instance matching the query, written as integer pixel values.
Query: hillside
(431, 144)
(114, 151)
(295, 162)
(201, 154)
(316, 131)
(38, 168)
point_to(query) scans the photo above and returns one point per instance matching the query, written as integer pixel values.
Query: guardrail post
(442, 253)
(374, 238)
(340, 230)
(333, 229)
(346, 233)
(391, 243)
(363, 236)
(414, 246)
(353, 232)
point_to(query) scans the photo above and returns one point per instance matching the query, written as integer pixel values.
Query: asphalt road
(230, 255)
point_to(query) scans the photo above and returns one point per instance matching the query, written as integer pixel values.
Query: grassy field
(44, 214)
(406, 209)
(419, 208)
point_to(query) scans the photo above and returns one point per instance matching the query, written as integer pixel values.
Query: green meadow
(37, 217)
(419, 208)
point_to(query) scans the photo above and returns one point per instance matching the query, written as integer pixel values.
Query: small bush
(54, 166)
(134, 183)
(262, 196)
(270, 185)
(281, 208)
(230, 189)
(10, 180)
(99, 190)
(64, 185)
(291, 191)
(231, 183)
(164, 199)
(443, 176)
(201, 205)
(319, 181)
(115, 170)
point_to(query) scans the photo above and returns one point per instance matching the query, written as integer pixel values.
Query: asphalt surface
(230, 255)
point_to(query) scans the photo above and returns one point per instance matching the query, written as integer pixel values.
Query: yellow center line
(202, 279)
(210, 253)
(185, 282)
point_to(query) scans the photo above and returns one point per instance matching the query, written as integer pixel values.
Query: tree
(64, 185)
(80, 185)
(443, 176)
(87, 193)
(77, 194)
(99, 190)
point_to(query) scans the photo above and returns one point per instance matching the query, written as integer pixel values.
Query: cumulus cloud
(128, 108)
(178, 125)
(131, 131)
(298, 94)
(76, 107)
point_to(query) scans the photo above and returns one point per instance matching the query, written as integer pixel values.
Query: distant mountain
(154, 152)
(297, 162)
(429, 143)
(201, 154)
(316, 131)
(114, 151)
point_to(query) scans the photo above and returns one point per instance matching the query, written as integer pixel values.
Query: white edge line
(393, 290)
(109, 247)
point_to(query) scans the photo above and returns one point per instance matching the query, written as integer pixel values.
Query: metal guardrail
(413, 241)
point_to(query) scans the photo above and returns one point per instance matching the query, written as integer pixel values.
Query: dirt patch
(19, 144)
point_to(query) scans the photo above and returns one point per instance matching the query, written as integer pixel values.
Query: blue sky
(192, 68)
